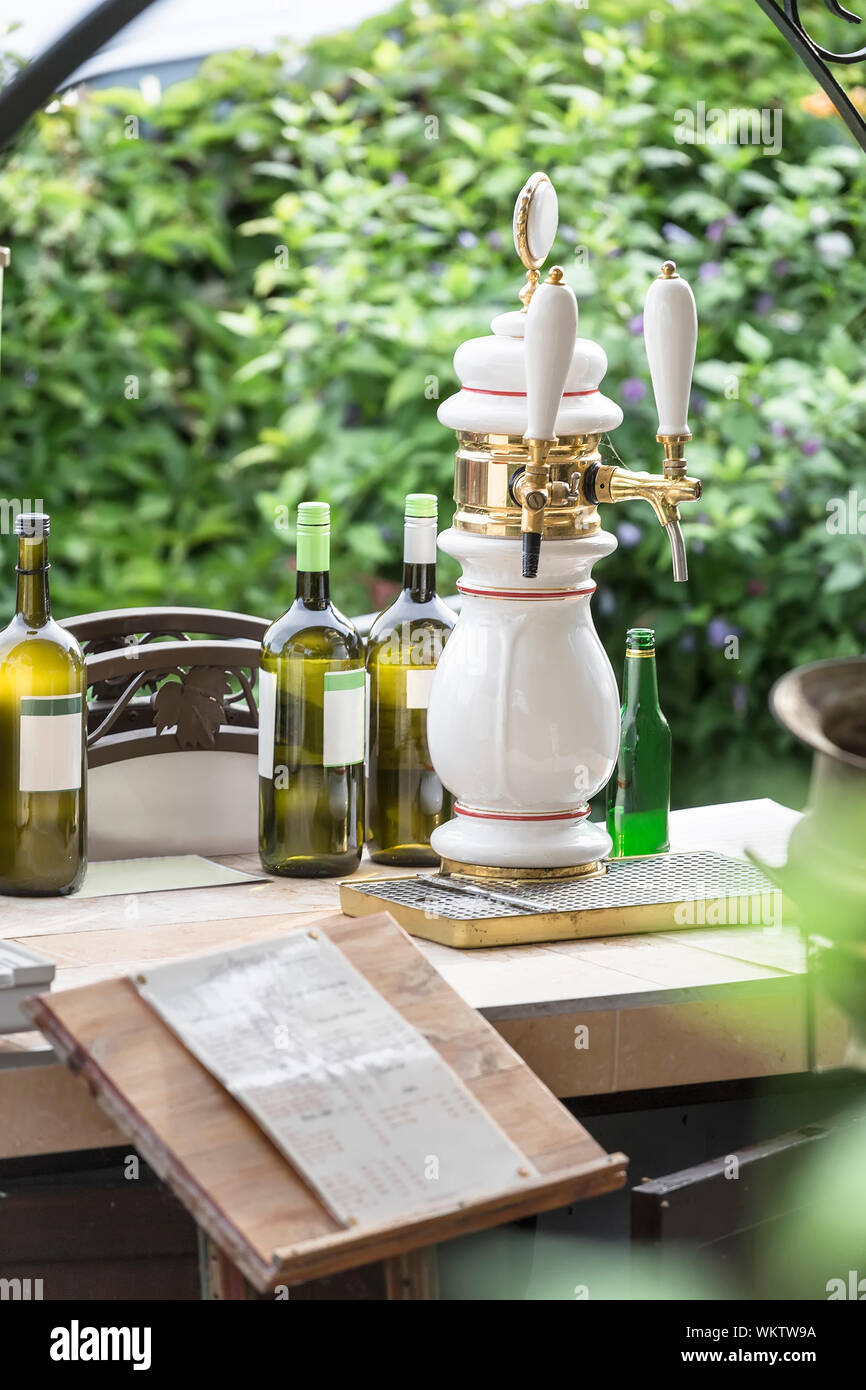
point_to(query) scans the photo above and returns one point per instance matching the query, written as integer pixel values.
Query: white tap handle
(670, 329)
(551, 328)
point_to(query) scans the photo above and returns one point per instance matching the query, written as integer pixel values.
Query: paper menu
(353, 1095)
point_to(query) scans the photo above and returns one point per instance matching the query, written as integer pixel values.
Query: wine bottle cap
(313, 514)
(640, 639)
(423, 504)
(34, 524)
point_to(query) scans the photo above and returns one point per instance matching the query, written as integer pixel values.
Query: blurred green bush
(250, 291)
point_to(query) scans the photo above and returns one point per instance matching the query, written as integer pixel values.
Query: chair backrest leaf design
(163, 679)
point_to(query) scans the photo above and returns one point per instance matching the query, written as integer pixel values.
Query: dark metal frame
(37, 83)
(786, 17)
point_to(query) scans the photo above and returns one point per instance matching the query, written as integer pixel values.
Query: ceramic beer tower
(523, 723)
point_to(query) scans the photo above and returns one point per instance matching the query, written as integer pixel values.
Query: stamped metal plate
(660, 892)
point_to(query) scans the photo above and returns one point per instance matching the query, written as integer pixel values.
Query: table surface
(590, 1016)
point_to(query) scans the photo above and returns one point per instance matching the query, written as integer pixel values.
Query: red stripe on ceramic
(483, 391)
(525, 593)
(504, 815)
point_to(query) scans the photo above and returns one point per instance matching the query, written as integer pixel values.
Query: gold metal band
(484, 468)
(489, 871)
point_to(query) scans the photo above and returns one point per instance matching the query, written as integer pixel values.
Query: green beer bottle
(405, 799)
(43, 708)
(639, 793)
(312, 723)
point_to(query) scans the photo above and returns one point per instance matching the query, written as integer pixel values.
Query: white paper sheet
(112, 877)
(352, 1094)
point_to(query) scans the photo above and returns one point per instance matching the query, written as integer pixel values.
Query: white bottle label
(345, 718)
(51, 743)
(267, 722)
(418, 686)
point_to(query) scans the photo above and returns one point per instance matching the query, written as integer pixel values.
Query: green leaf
(754, 345)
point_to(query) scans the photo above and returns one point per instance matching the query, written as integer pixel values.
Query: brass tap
(534, 491)
(609, 483)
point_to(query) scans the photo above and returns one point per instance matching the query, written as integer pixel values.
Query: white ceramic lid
(492, 398)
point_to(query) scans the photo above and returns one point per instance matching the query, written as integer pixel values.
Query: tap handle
(551, 328)
(670, 327)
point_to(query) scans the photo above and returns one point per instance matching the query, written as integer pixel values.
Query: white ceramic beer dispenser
(523, 721)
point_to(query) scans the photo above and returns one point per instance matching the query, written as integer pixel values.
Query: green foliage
(286, 258)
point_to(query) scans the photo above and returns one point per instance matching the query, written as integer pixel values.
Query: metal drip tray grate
(652, 893)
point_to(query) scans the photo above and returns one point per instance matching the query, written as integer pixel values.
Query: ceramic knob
(670, 326)
(551, 328)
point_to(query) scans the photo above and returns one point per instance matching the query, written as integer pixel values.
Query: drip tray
(657, 892)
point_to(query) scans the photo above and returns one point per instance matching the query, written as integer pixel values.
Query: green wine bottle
(312, 723)
(640, 791)
(43, 708)
(405, 799)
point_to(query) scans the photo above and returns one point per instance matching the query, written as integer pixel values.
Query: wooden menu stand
(245, 1196)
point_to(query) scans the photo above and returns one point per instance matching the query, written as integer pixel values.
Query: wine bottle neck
(314, 588)
(419, 557)
(419, 580)
(33, 602)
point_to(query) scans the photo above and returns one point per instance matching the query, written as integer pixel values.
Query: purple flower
(764, 303)
(718, 631)
(781, 524)
(635, 324)
(710, 270)
(678, 235)
(687, 642)
(629, 535)
(568, 234)
(754, 452)
(781, 266)
(756, 400)
(778, 429)
(606, 602)
(810, 447)
(633, 390)
(785, 494)
(467, 240)
(697, 403)
(740, 698)
(496, 240)
(716, 230)
(399, 177)
(436, 268)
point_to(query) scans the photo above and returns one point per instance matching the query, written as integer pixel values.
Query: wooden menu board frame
(235, 1182)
